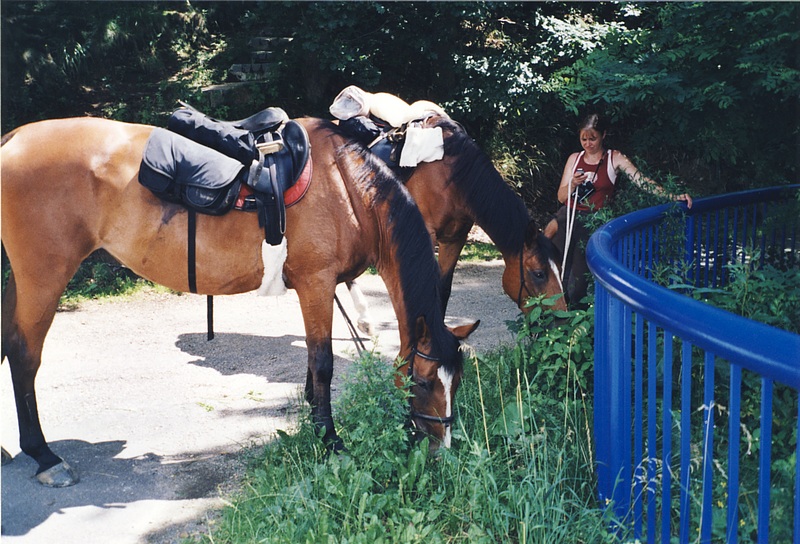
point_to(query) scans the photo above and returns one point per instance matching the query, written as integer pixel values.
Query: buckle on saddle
(262, 167)
(267, 148)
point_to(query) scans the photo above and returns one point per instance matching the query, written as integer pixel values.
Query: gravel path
(155, 417)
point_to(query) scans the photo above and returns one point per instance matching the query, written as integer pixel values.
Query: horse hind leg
(448, 258)
(364, 320)
(23, 347)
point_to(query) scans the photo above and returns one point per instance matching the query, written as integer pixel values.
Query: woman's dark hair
(593, 122)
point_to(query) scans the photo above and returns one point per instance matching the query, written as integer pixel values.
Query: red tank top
(603, 175)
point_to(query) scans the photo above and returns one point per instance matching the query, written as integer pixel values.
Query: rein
(360, 347)
(435, 419)
(522, 284)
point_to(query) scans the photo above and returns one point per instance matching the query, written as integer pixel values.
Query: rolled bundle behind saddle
(391, 128)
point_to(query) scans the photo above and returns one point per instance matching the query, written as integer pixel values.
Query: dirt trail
(155, 417)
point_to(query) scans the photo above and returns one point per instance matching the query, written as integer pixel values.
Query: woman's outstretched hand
(685, 197)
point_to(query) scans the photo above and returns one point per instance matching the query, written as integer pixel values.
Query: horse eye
(425, 384)
(539, 275)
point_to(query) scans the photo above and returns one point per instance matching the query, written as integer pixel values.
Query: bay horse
(463, 189)
(69, 187)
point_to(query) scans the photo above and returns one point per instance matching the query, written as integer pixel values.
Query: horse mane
(417, 267)
(496, 208)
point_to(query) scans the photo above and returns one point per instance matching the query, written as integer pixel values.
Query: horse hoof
(5, 456)
(335, 445)
(60, 475)
(366, 327)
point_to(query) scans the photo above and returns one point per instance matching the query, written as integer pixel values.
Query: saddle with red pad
(213, 166)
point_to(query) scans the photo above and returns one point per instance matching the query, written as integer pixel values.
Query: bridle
(522, 284)
(448, 420)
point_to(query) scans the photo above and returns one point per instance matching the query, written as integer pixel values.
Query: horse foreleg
(24, 358)
(317, 307)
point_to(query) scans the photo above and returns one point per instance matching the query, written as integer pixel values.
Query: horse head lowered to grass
(69, 187)
(464, 188)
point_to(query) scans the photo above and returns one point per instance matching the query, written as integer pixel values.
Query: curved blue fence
(677, 381)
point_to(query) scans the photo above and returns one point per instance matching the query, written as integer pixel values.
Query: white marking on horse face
(557, 274)
(447, 381)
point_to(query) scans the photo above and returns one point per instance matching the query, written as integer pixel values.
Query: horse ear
(551, 229)
(463, 331)
(531, 233)
(423, 333)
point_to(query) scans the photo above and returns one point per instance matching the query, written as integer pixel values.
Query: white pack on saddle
(354, 101)
(419, 144)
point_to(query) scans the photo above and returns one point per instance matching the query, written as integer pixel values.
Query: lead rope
(571, 209)
(572, 206)
(360, 347)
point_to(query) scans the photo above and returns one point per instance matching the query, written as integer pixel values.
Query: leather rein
(522, 284)
(435, 419)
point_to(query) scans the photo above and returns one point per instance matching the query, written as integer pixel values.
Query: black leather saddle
(267, 120)
(272, 151)
(383, 140)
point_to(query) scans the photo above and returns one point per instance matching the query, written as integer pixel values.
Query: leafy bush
(479, 251)
(99, 275)
(768, 295)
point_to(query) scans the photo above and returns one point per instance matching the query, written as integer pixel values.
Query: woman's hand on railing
(685, 197)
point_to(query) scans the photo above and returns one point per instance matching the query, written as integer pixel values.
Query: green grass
(100, 279)
(479, 251)
(99, 276)
(520, 469)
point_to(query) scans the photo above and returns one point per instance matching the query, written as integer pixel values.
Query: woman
(588, 184)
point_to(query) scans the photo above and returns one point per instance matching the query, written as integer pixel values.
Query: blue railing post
(601, 400)
(717, 231)
(612, 423)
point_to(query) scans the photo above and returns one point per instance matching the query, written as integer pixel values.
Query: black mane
(418, 269)
(496, 208)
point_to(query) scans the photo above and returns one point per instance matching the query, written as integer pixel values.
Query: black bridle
(416, 415)
(522, 284)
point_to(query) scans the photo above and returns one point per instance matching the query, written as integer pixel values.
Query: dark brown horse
(465, 189)
(70, 187)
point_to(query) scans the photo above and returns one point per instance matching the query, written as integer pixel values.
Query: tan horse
(70, 187)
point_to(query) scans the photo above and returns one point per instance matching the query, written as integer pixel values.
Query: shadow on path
(107, 482)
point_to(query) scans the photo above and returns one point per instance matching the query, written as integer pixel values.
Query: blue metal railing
(671, 370)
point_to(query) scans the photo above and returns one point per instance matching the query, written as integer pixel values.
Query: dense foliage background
(707, 92)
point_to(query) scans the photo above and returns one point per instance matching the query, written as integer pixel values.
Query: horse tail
(8, 285)
(7, 137)
(8, 299)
